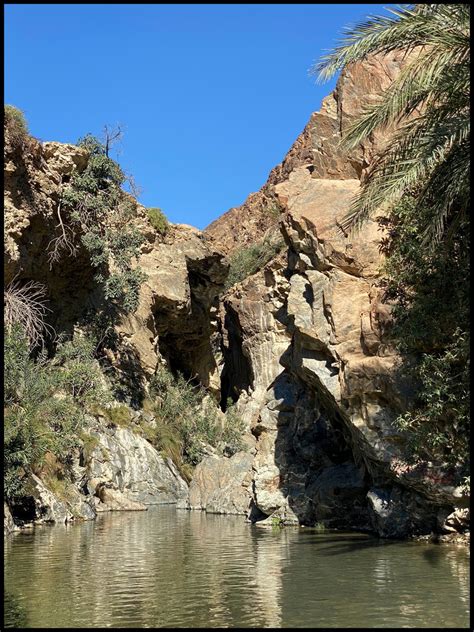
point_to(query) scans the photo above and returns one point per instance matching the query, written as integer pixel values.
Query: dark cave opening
(237, 374)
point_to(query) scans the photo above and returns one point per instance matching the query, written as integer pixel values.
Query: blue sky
(211, 97)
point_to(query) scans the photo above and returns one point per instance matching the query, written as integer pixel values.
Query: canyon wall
(323, 383)
(300, 346)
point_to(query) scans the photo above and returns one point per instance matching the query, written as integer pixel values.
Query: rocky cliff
(300, 346)
(174, 325)
(319, 384)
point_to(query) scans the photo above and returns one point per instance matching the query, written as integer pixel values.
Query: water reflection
(188, 569)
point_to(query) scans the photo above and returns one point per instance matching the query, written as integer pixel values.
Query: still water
(173, 568)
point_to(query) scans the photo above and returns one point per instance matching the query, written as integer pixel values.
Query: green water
(173, 568)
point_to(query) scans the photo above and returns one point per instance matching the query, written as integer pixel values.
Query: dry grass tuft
(26, 305)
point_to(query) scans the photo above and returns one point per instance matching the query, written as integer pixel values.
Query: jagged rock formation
(304, 344)
(299, 347)
(175, 323)
(126, 462)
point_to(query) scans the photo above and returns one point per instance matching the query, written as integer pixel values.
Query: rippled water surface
(172, 568)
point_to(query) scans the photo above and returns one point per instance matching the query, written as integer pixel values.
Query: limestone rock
(115, 500)
(9, 525)
(45, 506)
(312, 325)
(397, 513)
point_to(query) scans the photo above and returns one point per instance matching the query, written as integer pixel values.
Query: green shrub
(96, 212)
(233, 430)
(158, 220)
(187, 421)
(249, 260)
(273, 210)
(16, 124)
(430, 290)
(277, 522)
(44, 404)
(118, 415)
(88, 444)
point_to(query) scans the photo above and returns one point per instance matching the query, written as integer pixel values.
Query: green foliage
(88, 443)
(432, 322)
(187, 421)
(96, 209)
(247, 261)
(233, 429)
(273, 210)
(438, 427)
(429, 288)
(118, 415)
(44, 404)
(158, 220)
(124, 288)
(277, 522)
(430, 150)
(16, 124)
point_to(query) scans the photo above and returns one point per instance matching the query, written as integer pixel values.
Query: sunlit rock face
(299, 348)
(305, 347)
(124, 461)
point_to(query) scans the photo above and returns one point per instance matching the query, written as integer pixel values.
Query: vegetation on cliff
(187, 422)
(248, 260)
(45, 401)
(421, 183)
(53, 382)
(95, 208)
(158, 220)
(16, 123)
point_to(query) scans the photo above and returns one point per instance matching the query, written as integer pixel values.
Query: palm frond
(434, 75)
(414, 152)
(413, 26)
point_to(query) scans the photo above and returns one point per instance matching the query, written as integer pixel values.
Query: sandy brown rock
(316, 321)
(317, 150)
(222, 485)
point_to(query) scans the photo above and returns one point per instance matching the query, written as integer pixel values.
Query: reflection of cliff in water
(168, 568)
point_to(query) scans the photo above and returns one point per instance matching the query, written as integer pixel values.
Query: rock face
(304, 345)
(176, 316)
(299, 347)
(123, 472)
(9, 525)
(175, 319)
(124, 461)
(175, 323)
(222, 485)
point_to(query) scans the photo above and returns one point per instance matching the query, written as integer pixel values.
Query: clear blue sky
(211, 96)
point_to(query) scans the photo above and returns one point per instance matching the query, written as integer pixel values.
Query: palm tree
(429, 102)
